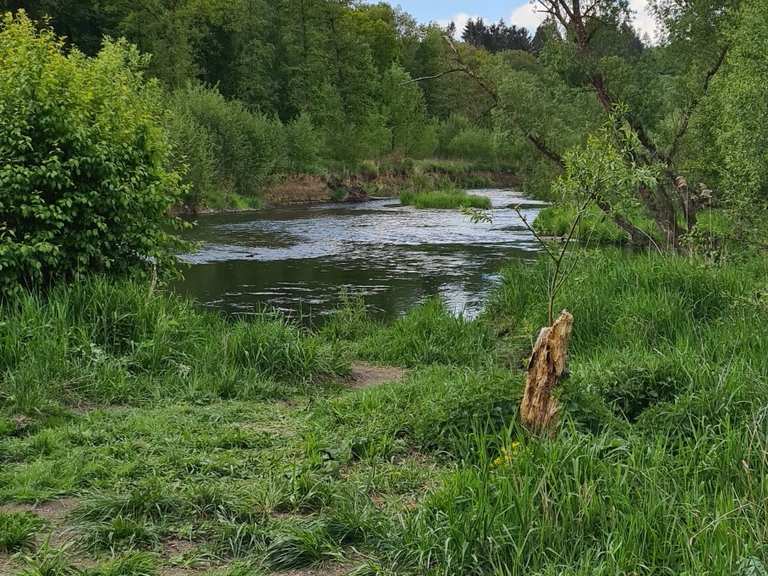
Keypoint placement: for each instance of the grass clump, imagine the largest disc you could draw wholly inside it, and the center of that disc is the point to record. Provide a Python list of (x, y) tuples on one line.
[(428, 334), (299, 545), (595, 227), (427, 412), (444, 199), (130, 564), (105, 342), (48, 561), (18, 531), (119, 533)]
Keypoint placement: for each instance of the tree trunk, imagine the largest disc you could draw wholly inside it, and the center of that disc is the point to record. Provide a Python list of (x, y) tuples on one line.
[(548, 363)]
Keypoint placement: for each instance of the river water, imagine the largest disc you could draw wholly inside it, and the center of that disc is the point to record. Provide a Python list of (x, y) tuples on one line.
[(301, 260)]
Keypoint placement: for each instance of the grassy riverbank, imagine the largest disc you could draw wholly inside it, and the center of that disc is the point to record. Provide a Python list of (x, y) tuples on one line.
[(166, 441)]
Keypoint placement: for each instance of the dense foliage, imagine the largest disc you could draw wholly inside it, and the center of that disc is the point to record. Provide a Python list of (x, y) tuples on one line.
[(167, 438), (322, 86), (82, 160), (655, 132), (257, 90)]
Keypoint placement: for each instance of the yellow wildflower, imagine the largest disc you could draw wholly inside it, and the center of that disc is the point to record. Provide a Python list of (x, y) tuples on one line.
[(507, 454)]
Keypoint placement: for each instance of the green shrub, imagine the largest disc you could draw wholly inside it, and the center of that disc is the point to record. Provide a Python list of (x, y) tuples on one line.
[(248, 147), (196, 155), (303, 145), (473, 143), (82, 160)]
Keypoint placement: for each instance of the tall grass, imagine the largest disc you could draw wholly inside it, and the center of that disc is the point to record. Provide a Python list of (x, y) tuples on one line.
[(595, 227), (660, 465), (97, 341), (444, 199), (596, 505), (428, 334)]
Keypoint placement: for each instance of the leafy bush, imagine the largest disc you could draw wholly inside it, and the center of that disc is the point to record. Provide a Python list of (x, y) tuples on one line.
[(196, 154), (82, 160), (473, 144), (248, 147), (303, 145)]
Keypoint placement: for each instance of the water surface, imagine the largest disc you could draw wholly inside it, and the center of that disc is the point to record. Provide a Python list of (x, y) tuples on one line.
[(303, 259)]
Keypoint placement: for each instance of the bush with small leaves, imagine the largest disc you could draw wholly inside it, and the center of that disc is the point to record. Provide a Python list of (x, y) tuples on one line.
[(82, 160)]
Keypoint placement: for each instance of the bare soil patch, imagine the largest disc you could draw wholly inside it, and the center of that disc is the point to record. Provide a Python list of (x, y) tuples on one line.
[(366, 375), (54, 511)]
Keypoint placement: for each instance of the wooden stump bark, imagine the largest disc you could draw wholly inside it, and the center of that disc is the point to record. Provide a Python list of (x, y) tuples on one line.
[(539, 408)]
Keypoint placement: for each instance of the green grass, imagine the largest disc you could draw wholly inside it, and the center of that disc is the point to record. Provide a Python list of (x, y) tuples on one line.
[(595, 227), (444, 199), (659, 465), (102, 342), (18, 530), (429, 334)]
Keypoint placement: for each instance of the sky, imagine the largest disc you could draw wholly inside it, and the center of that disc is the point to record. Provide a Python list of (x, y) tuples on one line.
[(518, 12)]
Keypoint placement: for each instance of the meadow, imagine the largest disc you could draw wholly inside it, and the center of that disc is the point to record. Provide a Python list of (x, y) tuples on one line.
[(142, 436)]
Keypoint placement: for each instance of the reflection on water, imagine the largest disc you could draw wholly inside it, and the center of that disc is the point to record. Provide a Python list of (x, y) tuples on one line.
[(302, 259)]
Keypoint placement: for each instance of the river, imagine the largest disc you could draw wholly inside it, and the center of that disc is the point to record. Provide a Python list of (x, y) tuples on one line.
[(301, 260)]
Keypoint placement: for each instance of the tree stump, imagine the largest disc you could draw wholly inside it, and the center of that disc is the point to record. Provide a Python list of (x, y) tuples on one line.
[(548, 363)]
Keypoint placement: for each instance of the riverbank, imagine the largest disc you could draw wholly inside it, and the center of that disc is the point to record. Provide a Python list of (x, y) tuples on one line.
[(375, 180), (164, 440)]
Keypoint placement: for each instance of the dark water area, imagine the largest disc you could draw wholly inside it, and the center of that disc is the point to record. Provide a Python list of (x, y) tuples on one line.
[(303, 260)]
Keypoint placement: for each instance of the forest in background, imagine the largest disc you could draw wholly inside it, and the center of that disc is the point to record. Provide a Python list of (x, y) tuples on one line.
[(257, 90), (651, 131)]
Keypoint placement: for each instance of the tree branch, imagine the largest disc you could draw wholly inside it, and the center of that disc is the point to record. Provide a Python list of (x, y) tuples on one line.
[(542, 147), (683, 129), (433, 76)]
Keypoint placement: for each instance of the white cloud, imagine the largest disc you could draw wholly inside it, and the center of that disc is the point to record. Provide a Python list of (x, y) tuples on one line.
[(460, 20), (529, 16), (643, 19)]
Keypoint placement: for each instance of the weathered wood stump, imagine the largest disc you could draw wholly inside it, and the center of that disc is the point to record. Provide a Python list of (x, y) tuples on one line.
[(539, 408)]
